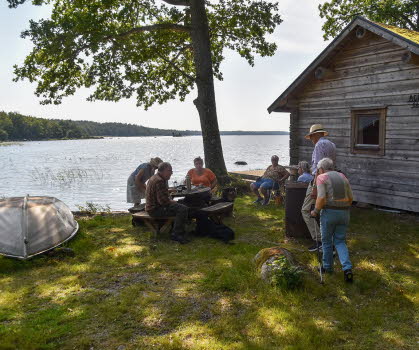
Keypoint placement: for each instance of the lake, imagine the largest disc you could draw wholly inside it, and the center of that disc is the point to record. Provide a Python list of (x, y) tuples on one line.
[(96, 170)]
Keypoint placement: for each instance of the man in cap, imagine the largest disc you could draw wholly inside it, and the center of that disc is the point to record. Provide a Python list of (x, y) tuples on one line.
[(323, 148), (158, 202), (136, 181)]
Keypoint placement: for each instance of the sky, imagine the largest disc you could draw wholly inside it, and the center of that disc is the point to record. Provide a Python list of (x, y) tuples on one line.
[(242, 97)]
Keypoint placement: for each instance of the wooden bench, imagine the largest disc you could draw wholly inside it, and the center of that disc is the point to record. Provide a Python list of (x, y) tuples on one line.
[(219, 211), (155, 224)]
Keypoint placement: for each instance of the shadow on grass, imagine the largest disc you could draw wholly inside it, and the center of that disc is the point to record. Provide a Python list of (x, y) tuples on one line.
[(123, 289)]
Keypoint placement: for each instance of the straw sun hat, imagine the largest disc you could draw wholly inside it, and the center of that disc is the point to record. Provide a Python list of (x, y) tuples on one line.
[(316, 128), (155, 161)]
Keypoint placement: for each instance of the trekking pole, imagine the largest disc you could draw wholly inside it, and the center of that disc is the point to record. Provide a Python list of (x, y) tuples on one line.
[(319, 257)]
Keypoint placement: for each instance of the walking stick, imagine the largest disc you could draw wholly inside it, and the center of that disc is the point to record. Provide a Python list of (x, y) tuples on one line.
[(319, 257)]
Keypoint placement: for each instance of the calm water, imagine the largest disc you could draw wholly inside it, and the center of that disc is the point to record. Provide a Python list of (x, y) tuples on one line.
[(78, 171)]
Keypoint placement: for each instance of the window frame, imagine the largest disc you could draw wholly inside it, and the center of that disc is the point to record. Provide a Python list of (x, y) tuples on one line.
[(368, 149)]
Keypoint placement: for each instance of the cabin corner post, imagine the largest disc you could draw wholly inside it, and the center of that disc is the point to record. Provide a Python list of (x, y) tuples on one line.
[(294, 137)]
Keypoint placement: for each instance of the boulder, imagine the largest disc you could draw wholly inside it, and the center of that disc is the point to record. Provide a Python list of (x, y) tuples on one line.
[(267, 256)]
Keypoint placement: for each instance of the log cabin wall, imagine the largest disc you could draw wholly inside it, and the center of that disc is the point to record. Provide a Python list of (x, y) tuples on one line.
[(368, 72)]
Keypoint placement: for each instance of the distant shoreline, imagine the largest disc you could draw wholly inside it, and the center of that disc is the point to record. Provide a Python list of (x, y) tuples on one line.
[(228, 133)]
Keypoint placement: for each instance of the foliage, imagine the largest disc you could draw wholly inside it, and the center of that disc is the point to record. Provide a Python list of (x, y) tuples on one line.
[(122, 289), (20, 127), (143, 48), (339, 13), (15, 126), (94, 208), (285, 275)]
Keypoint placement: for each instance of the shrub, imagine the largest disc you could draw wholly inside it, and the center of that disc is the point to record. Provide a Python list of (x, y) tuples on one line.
[(94, 208), (285, 275)]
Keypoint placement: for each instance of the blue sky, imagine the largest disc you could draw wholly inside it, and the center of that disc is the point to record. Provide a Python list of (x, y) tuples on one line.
[(242, 97)]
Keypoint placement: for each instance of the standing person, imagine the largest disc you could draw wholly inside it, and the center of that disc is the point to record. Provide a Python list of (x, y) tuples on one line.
[(158, 202), (202, 176), (334, 198), (273, 173), (304, 172), (323, 148), (136, 182)]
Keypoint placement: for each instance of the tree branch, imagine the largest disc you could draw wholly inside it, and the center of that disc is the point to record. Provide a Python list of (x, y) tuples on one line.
[(407, 19), (178, 2), (170, 62), (153, 27)]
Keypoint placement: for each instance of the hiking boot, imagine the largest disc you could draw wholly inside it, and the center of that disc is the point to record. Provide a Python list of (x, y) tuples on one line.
[(316, 246), (258, 201), (348, 276), (180, 239)]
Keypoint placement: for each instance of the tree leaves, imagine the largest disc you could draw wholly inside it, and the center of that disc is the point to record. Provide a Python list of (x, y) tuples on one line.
[(136, 48), (339, 13)]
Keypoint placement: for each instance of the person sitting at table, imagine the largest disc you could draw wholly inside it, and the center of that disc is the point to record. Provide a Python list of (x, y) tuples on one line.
[(201, 176), (274, 173), (136, 182), (159, 203), (304, 172)]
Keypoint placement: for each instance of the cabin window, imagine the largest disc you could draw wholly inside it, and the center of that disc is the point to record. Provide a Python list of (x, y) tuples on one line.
[(368, 131)]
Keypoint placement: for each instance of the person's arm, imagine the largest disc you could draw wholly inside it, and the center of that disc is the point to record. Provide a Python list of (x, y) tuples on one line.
[(285, 176), (321, 195), (162, 194), (211, 178), (140, 185), (316, 158)]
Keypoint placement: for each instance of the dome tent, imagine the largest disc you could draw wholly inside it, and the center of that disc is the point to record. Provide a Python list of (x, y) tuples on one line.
[(33, 225)]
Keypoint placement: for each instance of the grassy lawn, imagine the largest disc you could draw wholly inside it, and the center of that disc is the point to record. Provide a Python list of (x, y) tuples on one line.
[(122, 291)]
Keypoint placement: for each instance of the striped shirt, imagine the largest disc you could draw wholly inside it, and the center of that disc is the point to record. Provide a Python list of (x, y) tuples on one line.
[(156, 193), (324, 148)]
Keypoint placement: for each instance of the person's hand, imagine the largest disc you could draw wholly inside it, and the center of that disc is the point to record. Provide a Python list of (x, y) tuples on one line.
[(313, 214)]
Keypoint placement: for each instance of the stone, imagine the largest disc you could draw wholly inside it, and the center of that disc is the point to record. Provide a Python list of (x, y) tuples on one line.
[(265, 257)]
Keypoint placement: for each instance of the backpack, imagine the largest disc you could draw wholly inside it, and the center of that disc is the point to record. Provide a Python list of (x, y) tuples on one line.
[(207, 228)]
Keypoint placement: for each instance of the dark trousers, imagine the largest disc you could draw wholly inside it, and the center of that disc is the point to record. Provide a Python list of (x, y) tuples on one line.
[(174, 209)]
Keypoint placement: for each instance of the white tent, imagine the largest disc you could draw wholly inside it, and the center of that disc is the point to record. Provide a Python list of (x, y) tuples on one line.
[(33, 225)]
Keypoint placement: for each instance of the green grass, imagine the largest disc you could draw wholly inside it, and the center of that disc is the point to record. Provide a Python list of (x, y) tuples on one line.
[(123, 289)]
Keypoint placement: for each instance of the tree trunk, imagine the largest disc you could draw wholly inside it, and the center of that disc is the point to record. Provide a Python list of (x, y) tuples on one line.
[(205, 102)]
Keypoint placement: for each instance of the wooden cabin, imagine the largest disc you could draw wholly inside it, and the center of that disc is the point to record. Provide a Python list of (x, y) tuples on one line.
[(364, 89)]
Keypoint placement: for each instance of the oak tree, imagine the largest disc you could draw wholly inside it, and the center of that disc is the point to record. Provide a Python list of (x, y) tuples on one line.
[(152, 50), (339, 13)]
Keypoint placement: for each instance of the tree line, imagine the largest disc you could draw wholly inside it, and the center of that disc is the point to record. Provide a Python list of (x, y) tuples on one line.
[(15, 126)]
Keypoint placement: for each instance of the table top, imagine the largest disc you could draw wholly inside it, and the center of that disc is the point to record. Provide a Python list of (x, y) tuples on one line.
[(193, 191)]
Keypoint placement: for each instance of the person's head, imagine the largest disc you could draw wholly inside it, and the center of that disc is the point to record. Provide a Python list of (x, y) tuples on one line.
[(303, 167), (325, 165), (154, 162), (165, 170), (274, 160), (198, 163), (316, 132)]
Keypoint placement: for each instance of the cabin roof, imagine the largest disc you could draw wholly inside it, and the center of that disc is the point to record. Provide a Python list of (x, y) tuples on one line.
[(405, 38)]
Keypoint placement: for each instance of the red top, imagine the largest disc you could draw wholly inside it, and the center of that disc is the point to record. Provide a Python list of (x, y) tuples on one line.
[(205, 179)]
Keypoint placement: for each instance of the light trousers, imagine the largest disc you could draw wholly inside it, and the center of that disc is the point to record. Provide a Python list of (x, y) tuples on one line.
[(311, 223)]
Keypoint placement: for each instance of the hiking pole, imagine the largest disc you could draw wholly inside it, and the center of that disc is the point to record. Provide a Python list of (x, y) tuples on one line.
[(319, 258)]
